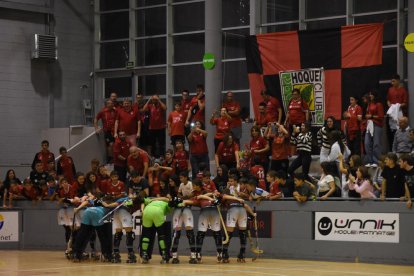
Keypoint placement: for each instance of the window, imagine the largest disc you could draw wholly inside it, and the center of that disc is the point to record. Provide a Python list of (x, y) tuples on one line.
[(389, 63), (114, 25), (235, 75), (144, 3), (122, 86), (187, 77), (280, 10), (325, 8), (109, 5), (235, 13), (114, 54), (188, 17), (326, 24), (374, 5), (234, 43), (151, 51), (280, 28), (151, 21), (152, 84), (188, 48), (390, 25)]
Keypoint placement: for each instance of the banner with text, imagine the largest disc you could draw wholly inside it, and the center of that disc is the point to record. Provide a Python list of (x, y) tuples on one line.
[(9, 226), (361, 227), (311, 84)]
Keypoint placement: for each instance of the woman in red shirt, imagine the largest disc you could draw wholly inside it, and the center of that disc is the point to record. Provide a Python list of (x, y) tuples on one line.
[(297, 110), (280, 147), (259, 147), (353, 115), (228, 153), (198, 148), (373, 135), (222, 124)]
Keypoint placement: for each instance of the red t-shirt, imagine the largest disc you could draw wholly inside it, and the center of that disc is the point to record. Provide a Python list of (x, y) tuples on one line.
[(297, 111), (155, 186), (185, 106), (30, 194), (272, 106), (157, 116), (263, 119), (181, 159), (200, 114), (280, 147), (258, 171), (222, 127), (352, 123), (138, 163), (176, 120), (116, 189), (376, 109), (45, 157), (198, 144), (128, 121), (274, 189), (209, 187), (226, 153), (233, 106), (397, 95), (66, 168), (108, 117), (259, 143), (120, 148), (69, 193), (102, 184)]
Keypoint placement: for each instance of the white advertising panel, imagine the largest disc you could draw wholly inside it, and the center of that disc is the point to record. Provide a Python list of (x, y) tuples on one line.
[(9, 226), (358, 227)]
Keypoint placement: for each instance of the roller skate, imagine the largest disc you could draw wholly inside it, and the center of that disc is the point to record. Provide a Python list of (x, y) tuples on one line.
[(175, 259), (219, 257), (144, 258), (164, 259), (68, 254), (193, 259), (95, 256), (198, 257), (106, 258), (225, 258), (131, 258), (240, 258), (116, 257)]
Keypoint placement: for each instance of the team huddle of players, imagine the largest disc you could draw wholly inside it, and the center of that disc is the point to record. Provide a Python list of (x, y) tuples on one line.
[(87, 217)]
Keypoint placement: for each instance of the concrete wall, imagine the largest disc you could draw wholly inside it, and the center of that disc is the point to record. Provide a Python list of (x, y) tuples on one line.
[(291, 231), (38, 95)]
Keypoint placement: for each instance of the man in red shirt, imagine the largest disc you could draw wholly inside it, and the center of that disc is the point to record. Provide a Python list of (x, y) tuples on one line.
[(223, 126), (298, 110), (197, 105), (262, 119), (144, 117), (396, 94), (65, 165), (273, 108), (114, 98), (129, 121), (176, 121), (108, 116), (185, 102), (157, 124), (233, 109), (44, 156), (138, 161), (353, 131), (121, 153)]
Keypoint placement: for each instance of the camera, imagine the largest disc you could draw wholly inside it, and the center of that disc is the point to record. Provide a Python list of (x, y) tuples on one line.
[(192, 125)]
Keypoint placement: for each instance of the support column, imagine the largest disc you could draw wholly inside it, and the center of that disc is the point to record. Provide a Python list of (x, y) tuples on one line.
[(213, 78), (410, 65)]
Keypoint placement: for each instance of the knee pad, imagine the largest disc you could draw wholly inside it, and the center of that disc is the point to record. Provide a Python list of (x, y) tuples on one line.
[(130, 237), (117, 238), (177, 237), (190, 237), (200, 238), (243, 237)]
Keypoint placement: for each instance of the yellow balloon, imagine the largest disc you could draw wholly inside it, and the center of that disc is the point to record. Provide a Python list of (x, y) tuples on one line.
[(409, 42)]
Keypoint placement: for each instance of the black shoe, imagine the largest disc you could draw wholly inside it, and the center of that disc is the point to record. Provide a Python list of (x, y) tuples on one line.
[(198, 257), (116, 258), (144, 258), (225, 257), (240, 258)]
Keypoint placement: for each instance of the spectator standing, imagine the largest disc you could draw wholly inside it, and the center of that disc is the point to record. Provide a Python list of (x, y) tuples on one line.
[(121, 153), (227, 153), (44, 156), (323, 138), (402, 142), (373, 135), (262, 119), (273, 108), (353, 117), (65, 165), (396, 95), (302, 138), (198, 148), (108, 116), (298, 110), (157, 125), (197, 107), (222, 124), (176, 124), (280, 147), (128, 120), (233, 109), (259, 147)]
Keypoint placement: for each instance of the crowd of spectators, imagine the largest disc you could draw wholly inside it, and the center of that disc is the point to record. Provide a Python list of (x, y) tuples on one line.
[(352, 160)]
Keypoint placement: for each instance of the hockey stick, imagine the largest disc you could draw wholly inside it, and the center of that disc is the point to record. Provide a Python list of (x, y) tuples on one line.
[(113, 211), (256, 249), (72, 229), (227, 239)]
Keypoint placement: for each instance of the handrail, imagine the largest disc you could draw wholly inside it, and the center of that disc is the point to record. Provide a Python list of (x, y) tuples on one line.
[(78, 143)]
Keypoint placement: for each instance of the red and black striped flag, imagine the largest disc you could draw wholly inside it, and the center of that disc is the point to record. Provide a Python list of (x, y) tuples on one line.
[(350, 55)]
